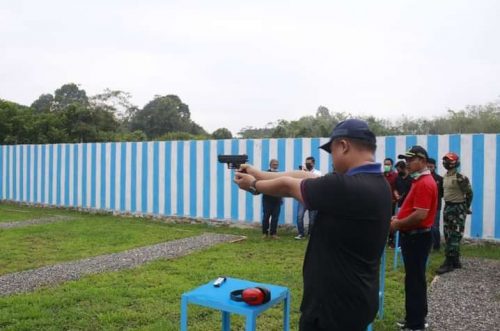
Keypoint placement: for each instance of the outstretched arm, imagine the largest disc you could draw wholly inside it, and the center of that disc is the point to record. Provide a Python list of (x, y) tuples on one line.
[(266, 175), (282, 186)]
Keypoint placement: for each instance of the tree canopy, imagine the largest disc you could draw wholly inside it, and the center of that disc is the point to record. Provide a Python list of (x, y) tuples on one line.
[(69, 115)]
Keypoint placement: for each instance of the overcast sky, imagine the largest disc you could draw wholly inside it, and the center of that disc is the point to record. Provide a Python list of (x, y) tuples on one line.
[(248, 63)]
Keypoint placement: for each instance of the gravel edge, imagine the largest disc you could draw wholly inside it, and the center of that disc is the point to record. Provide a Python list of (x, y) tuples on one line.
[(31, 280)]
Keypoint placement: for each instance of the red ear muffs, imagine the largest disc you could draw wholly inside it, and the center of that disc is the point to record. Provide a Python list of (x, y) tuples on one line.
[(252, 296)]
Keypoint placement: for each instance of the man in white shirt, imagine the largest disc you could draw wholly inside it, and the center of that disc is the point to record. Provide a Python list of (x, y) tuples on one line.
[(310, 162)]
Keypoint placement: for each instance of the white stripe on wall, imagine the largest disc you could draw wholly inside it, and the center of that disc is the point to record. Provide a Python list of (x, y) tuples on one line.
[(173, 167), (490, 164)]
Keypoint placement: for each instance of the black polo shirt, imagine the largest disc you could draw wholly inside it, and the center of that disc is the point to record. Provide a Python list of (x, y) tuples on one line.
[(341, 265)]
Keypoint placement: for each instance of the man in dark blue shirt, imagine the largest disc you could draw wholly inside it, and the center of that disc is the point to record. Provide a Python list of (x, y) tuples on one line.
[(342, 261)]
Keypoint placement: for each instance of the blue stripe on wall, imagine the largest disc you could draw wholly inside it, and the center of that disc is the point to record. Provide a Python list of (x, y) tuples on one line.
[(93, 175), (66, 175), (264, 163), (206, 179), (168, 178), (156, 178), (58, 174), (234, 188), (315, 152), (390, 148), (249, 197), (411, 141), (50, 158), (497, 190), (477, 185), (297, 161), (432, 149), (282, 159), (144, 178), (220, 181), (112, 179), (180, 178), (123, 174), (76, 187), (8, 176), (14, 171), (133, 177), (454, 142), (192, 178), (103, 176), (42, 171)]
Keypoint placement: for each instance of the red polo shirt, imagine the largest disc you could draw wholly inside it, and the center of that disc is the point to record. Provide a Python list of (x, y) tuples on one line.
[(422, 195)]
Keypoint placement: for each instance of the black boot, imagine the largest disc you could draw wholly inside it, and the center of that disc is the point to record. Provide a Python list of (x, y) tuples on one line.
[(456, 262), (447, 266)]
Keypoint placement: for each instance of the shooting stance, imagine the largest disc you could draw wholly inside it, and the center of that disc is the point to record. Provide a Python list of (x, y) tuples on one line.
[(341, 264)]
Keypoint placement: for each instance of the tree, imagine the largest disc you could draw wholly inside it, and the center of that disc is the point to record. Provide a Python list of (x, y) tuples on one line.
[(222, 133), (68, 94), (162, 115), (43, 104)]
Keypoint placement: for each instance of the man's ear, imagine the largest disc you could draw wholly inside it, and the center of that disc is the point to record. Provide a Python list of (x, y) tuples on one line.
[(346, 146)]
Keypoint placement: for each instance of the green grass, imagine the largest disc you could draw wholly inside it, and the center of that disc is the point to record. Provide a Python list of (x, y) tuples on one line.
[(13, 213), (148, 297), (35, 246)]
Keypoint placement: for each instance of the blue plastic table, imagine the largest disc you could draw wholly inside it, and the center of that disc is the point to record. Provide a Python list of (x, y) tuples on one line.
[(219, 298)]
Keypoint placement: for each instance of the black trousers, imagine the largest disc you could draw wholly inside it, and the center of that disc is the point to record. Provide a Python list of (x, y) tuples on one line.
[(271, 211), (415, 249)]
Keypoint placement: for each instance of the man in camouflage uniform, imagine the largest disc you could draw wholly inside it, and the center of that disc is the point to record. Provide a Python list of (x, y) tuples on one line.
[(458, 199)]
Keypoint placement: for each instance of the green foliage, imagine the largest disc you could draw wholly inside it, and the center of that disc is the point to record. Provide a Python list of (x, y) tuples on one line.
[(222, 133), (165, 114), (70, 116), (170, 136), (472, 119)]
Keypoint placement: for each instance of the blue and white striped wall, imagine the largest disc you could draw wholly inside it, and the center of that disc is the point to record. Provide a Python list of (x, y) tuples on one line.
[(183, 178)]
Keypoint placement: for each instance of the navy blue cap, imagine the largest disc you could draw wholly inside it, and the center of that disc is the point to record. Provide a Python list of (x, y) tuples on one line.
[(351, 128)]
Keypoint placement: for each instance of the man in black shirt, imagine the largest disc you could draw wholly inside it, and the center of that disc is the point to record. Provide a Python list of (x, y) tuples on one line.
[(436, 234), (403, 182), (271, 207), (342, 261)]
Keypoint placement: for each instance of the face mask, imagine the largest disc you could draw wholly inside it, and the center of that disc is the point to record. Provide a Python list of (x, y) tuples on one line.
[(387, 168), (309, 166), (447, 166), (415, 175)]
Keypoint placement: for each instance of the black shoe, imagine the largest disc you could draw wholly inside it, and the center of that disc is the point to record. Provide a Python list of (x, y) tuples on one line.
[(402, 325), (447, 266), (456, 263)]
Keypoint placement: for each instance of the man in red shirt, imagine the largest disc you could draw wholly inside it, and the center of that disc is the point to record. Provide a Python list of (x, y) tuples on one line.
[(414, 221)]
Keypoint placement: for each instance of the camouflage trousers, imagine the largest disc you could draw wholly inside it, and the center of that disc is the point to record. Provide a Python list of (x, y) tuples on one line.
[(454, 216)]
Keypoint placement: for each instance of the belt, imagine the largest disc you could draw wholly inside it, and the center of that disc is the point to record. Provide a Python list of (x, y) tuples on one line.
[(416, 231), (453, 203)]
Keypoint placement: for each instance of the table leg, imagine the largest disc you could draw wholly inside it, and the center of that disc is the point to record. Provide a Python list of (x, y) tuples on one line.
[(226, 321), (250, 323), (286, 312), (184, 313)]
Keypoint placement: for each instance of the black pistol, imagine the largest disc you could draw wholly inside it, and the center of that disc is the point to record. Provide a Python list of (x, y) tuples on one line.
[(233, 161)]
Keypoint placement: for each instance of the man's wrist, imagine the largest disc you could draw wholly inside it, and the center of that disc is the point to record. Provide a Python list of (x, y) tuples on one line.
[(253, 187)]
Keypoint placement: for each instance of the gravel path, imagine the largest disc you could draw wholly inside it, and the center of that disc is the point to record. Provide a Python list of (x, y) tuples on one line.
[(467, 298), (32, 279), (41, 220)]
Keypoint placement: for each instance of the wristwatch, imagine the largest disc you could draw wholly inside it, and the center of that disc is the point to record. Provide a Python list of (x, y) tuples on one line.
[(253, 189)]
